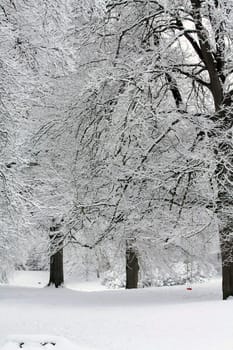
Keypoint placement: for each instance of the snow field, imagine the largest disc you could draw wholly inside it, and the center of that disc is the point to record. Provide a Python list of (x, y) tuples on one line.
[(167, 318), (38, 342)]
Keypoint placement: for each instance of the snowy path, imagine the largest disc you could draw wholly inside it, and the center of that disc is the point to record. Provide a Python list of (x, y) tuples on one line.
[(150, 319)]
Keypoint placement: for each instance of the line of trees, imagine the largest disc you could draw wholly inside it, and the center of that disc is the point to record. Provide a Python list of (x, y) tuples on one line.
[(130, 118)]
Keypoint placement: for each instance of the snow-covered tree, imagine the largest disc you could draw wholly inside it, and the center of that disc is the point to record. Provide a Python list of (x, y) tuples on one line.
[(36, 49), (119, 120), (141, 173), (166, 44)]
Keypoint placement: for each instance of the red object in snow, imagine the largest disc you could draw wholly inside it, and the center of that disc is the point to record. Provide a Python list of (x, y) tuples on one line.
[(189, 288)]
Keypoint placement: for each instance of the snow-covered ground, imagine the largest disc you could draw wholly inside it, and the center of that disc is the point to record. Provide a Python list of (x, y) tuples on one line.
[(167, 318), (39, 279)]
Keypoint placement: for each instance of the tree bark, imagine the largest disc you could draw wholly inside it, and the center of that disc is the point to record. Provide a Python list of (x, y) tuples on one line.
[(226, 244), (224, 177), (227, 269), (56, 259), (132, 267)]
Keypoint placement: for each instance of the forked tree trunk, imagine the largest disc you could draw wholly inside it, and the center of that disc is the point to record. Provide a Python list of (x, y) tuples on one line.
[(56, 259), (132, 267)]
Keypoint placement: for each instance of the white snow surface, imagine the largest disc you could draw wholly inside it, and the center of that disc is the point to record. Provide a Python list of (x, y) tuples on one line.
[(166, 318), (39, 279), (37, 342)]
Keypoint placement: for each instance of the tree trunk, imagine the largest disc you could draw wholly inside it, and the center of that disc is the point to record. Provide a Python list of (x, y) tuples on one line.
[(227, 280), (227, 262), (132, 268), (224, 176), (56, 259)]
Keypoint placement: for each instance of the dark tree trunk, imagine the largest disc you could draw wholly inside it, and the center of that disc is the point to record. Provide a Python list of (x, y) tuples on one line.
[(56, 269), (224, 177), (56, 259), (227, 280), (132, 268), (227, 262)]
